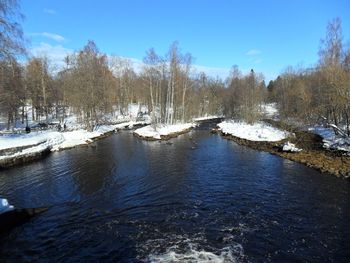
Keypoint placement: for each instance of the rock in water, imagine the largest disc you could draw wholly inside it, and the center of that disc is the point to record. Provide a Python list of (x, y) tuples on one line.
[(17, 217)]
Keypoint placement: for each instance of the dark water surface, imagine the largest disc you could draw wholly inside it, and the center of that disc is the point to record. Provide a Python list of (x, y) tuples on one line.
[(200, 198)]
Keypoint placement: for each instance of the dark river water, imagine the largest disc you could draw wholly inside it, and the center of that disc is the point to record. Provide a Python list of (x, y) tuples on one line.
[(199, 198)]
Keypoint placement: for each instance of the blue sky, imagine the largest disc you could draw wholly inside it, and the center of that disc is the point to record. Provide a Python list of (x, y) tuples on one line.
[(264, 35)]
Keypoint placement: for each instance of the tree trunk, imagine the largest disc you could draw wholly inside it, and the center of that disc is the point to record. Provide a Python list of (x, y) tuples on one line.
[(22, 114), (8, 119), (335, 118), (33, 115), (183, 102), (44, 96), (347, 123), (152, 99)]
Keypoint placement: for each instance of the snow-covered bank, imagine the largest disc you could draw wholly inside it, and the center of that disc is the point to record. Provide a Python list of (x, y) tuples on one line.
[(205, 118), (80, 137), (252, 132), (32, 139), (331, 140), (17, 146), (290, 147), (5, 206), (156, 133)]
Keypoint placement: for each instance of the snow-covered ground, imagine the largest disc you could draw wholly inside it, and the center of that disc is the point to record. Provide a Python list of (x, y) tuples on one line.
[(207, 118), (5, 206), (331, 140), (80, 137), (30, 139), (290, 147), (253, 132), (133, 112), (162, 130), (15, 143), (36, 142), (269, 110)]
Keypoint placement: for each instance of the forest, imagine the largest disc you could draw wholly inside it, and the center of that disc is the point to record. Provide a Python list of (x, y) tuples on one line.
[(93, 84)]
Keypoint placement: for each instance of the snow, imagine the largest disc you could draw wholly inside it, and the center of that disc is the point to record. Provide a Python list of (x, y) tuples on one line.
[(133, 112), (331, 140), (80, 137), (37, 142), (15, 143), (211, 117), (342, 144), (5, 206), (290, 147), (162, 130), (269, 110), (135, 108), (19, 140), (253, 132), (75, 138)]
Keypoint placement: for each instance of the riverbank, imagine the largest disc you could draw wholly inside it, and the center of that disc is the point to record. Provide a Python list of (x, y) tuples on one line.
[(17, 149), (163, 132), (313, 154)]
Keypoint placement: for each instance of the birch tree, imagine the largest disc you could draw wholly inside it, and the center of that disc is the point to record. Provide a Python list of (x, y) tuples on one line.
[(152, 76)]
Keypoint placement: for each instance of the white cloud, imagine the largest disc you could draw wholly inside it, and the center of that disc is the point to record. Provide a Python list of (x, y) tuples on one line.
[(55, 37), (49, 11), (55, 53), (253, 52)]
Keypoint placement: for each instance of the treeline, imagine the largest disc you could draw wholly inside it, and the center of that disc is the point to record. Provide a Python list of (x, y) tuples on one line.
[(174, 94), (320, 94), (93, 85), (244, 95)]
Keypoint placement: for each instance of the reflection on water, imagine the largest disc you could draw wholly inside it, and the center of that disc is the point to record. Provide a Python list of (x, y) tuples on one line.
[(199, 197)]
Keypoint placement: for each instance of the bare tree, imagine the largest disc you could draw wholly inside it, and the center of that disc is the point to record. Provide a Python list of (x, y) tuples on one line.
[(89, 78), (11, 35), (152, 76), (186, 68), (125, 76), (11, 90), (335, 73), (38, 82)]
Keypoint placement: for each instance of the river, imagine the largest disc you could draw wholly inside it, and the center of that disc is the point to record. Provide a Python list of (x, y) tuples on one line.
[(196, 197)]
